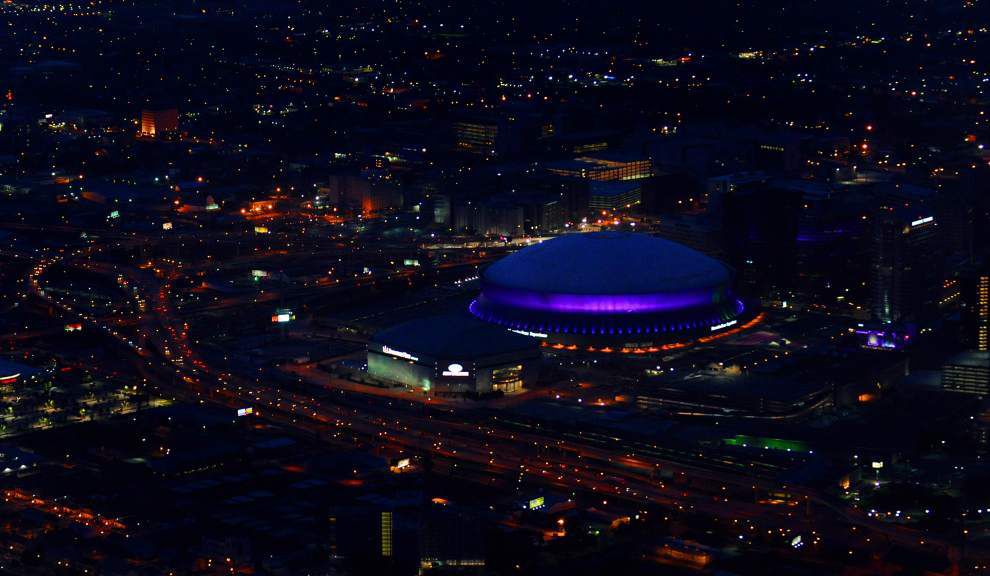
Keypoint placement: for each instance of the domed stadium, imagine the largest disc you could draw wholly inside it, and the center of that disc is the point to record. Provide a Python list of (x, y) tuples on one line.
[(611, 288)]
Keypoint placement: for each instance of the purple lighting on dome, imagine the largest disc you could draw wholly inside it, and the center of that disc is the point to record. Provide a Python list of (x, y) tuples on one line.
[(598, 303), (604, 324)]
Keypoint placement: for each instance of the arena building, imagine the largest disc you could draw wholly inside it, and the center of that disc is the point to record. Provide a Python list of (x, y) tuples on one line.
[(15, 373), (606, 291), (453, 354)]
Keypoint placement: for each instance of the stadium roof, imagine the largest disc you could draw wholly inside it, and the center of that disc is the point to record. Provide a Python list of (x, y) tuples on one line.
[(9, 370), (607, 263)]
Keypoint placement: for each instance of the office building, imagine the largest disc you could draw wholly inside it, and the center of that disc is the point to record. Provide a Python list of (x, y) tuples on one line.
[(479, 138), (159, 122), (905, 271), (604, 166), (968, 373), (975, 296), (612, 196)]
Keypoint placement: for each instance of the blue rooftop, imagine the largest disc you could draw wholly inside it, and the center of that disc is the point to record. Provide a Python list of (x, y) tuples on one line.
[(607, 263), (8, 369)]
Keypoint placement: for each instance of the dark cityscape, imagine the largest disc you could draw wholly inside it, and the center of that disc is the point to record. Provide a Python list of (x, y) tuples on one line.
[(492, 287)]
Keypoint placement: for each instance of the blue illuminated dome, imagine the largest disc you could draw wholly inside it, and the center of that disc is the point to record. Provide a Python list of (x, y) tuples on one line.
[(607, 284)]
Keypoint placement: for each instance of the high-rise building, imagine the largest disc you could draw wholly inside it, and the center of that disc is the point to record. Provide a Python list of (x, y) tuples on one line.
[(611, 196), (550, 216), (359, 194), (385, 536), (479, 138), (969, 291), (159, 122), (906, 274), (451, 541), (441, 209), (979, 315), (968, 373), (542, 213), (510, 131), (759, 225), (496, 217), (719, 187)]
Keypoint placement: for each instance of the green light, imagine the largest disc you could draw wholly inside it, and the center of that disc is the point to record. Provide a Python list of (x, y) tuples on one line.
[(767, 443)]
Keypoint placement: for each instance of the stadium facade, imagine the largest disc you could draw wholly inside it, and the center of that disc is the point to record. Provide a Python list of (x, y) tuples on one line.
[(610, 289)]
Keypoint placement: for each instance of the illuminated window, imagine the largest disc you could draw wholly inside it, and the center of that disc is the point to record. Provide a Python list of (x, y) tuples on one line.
[(386, 530)]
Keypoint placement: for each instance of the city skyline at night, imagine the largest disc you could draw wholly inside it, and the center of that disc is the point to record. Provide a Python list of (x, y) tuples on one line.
[(420, 287)]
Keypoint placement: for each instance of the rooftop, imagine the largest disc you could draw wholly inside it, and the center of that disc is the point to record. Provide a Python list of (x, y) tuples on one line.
[(8, 369), (971, 359), (607, 263), (453, 336)]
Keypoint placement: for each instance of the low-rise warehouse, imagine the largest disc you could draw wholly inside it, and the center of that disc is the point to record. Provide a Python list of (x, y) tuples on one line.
[(455, 354)]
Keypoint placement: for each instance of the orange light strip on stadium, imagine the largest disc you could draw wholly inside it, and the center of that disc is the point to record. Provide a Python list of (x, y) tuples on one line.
[(756, 320), (670, 346)]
